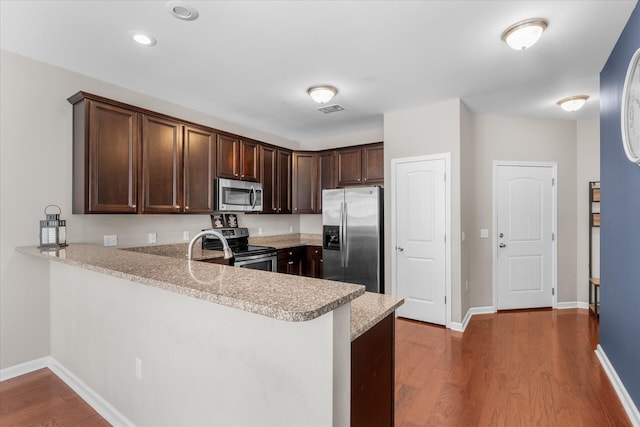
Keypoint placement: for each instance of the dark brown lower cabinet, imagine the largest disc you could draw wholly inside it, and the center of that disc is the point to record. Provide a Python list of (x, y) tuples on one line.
[(292, 260), (372, 375), (314, 262)]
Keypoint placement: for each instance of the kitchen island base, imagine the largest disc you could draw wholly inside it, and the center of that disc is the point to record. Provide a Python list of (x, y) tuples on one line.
[(200, 363)]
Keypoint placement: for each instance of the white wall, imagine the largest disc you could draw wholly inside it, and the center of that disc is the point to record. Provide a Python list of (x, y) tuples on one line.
[(431, 129), (36, 159), (467, 200), (521, 139), (588, 169), (353, 138)]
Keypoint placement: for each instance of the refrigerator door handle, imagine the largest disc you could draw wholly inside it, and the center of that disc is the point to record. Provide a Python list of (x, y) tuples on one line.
[(346, 232), (341, 234)]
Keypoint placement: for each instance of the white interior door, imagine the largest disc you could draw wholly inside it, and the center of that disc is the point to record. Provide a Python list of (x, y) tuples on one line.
[(420, 228), (524, 229)]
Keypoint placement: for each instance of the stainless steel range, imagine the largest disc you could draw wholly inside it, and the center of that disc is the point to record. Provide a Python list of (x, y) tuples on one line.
[(245, 255)]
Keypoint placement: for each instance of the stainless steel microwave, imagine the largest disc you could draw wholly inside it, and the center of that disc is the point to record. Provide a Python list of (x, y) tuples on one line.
[(238, 196)]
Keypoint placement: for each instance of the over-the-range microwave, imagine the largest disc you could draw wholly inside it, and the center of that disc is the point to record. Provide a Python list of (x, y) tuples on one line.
[(237, 196)]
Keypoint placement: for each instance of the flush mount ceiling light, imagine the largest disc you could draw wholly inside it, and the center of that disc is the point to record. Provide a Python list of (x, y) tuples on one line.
[(524, 34), (182, 10), (573, 103), (322, 94), (143, 39)]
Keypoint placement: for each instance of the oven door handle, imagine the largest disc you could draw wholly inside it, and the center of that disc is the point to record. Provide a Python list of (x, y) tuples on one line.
[(242, 258)]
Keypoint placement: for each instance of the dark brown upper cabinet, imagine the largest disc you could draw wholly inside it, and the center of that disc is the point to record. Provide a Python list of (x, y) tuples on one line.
[(237, 159), (284, 181), (360, 165), (373, 163), (105, 157), (199, 149), (326, 173), (305, 182), (276, 179), (161, 182)]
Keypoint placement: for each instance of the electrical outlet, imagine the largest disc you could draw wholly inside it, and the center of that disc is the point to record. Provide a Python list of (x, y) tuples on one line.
[(138, 368), (464, 236), (186, 236), (291, 229), (259, 231), (466, 285), (153, 238), (111, 240)]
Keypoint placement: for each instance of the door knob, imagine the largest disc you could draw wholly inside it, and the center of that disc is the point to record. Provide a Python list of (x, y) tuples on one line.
[(502, 245), (399, 248), (501, 235)]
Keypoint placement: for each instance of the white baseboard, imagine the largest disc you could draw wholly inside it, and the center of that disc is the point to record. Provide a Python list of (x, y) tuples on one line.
[(93, 399), (573, 304), (460, 327), (24, 368), (618, 386)]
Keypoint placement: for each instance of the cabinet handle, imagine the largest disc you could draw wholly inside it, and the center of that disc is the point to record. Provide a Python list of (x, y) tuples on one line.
[(290, 262), (365, 180), (134, 206), (358, 179), (177, 206), (320, 260), (290, 253), (241, 176), (186, 208)]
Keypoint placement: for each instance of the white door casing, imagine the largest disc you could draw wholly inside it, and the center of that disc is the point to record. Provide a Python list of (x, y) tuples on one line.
[(524, 235), (421, 254)]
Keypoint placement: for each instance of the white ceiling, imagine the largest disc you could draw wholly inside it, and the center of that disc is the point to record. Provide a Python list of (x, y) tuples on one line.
[(251, 62)]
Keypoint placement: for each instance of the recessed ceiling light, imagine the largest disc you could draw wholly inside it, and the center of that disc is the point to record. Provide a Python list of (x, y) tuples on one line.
[(322, 94), (143, 39), (573, 103), (182, 10), (524, 34)]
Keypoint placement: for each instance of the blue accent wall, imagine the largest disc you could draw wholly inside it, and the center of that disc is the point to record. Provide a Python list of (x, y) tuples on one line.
[(620, 222)]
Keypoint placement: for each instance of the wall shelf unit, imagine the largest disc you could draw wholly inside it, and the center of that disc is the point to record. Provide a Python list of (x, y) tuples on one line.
[(594, 227)]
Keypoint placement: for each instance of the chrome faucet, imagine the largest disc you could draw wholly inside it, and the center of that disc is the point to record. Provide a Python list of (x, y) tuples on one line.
[(225, 245)]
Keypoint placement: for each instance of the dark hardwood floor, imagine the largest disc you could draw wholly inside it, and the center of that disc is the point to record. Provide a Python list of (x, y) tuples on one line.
[(524, 368)]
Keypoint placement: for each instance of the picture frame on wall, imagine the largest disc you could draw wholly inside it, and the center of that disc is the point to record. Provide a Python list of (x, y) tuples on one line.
[(231, 220), (218, 221)]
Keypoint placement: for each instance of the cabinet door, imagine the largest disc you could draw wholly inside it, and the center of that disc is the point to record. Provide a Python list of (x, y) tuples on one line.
[(269, 179), (249, 161), (305, 182), (284, 181), (199, 169), (349, 166), (161, 165), (314, 262), (228, 157), (373, 164), (112, 169), (327, 174)]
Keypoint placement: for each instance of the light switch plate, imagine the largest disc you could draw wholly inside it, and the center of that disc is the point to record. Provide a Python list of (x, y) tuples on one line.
[(153, 238), (484, 233)]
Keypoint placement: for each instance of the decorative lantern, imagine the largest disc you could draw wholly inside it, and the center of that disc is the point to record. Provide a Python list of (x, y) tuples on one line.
[(53, 230)]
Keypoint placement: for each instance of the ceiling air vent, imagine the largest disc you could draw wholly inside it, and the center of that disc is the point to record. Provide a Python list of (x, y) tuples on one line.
[(331, 108)]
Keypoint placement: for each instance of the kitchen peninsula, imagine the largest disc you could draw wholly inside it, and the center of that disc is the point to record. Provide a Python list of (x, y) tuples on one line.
[(168, 341)]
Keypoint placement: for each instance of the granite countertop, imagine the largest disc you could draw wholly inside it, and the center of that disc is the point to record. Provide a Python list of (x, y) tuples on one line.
[(370, 308), (280, 296), (282, 241), (178, 250)]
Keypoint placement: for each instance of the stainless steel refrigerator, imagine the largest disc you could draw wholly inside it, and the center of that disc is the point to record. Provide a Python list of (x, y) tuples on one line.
[(352, 236)]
